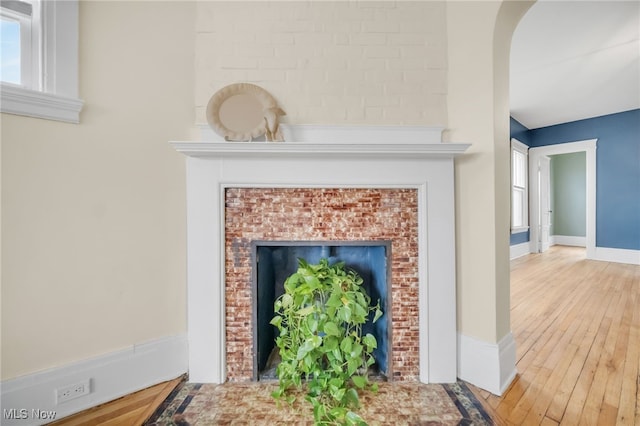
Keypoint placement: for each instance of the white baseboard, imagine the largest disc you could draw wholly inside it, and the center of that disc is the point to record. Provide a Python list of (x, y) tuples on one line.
[(31, 399), (568, 240), (519, 250), (616, 255), (490, 366)]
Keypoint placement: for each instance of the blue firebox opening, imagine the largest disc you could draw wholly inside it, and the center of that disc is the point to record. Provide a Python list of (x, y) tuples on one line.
[(274, 262)]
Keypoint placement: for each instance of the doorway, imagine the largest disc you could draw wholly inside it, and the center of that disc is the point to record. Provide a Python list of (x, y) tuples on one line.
[(541, 211)]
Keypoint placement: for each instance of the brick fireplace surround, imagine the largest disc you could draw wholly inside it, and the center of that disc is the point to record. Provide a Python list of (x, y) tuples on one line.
[(356, 187), (322, 214)]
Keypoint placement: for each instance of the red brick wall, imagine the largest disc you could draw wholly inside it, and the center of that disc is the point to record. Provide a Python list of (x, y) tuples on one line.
[(309, 214)]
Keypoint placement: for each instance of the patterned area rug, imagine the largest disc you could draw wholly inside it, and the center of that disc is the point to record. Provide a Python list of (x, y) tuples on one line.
[(397, 403)]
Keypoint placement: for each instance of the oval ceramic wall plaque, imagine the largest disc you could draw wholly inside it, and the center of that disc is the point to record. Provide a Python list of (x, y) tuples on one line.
[(243, 112)]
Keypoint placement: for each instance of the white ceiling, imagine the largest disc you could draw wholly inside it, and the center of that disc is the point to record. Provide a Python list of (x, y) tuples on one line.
[(572, 60)]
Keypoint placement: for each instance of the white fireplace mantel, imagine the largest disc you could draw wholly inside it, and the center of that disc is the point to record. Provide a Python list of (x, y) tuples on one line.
[(214, 166), (291, 149)]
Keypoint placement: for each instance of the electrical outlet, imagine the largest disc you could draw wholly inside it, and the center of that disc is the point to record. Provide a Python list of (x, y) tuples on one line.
[(76, 390)]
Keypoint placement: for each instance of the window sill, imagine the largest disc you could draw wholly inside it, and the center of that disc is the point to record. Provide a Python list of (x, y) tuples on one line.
[(519, 230), (31, 103)]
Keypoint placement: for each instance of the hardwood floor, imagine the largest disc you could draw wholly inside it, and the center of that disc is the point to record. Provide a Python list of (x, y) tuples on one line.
[(576, 323), (130, 410)]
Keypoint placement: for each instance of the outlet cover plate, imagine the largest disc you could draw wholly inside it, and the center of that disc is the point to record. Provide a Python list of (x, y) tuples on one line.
[(73, 391)]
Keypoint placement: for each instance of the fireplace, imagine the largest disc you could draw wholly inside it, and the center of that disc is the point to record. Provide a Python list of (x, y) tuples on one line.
[(274, 261), (364, 216), (356, 216), (312, 184)]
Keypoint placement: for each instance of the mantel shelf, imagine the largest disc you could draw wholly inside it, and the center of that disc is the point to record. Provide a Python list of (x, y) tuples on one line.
[(284, 149)]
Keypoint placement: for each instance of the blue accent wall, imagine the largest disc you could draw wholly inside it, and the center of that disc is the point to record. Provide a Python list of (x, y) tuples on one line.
[(617, 172), (519, 238), (519, 131)]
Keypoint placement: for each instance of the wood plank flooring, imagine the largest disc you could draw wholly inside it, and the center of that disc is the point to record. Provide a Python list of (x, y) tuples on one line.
[(130, 410), (576, 323)]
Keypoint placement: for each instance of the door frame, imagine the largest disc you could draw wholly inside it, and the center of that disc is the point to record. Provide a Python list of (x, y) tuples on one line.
[(535, 153), (544, 177)]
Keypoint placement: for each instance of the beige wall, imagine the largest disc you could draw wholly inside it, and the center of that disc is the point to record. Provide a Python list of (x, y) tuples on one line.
[(471, 120), (507, 20), (331, 62), (93, 215), (479, 38)]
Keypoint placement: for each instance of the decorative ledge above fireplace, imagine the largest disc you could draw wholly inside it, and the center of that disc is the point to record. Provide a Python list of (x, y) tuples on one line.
[(341, 169)]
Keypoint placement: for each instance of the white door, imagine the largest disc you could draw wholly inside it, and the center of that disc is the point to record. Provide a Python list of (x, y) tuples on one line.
[(544, 217)]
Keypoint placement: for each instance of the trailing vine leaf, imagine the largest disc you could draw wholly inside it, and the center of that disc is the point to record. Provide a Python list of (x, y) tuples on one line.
[(354, 419), (370, 341), (331, 329), (378, 314), (359, 381), (276, 321), (319, 320)]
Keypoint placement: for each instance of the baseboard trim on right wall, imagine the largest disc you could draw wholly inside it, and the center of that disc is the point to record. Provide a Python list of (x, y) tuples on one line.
[(489, 366), (616, 255)]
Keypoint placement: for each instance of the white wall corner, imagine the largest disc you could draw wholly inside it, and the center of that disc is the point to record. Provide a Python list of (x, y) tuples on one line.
[(489, 366), (31, 399), (519, 250)]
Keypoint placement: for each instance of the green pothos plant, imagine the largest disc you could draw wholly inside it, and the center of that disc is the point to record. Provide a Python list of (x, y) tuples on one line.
[(320, 318)]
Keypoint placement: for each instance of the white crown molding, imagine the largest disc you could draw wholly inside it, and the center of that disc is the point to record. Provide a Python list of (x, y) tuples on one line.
[(111, 376), (32, 103)]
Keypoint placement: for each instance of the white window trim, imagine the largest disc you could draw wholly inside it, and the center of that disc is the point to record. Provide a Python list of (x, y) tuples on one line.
[(59, 98), (27, 15), (516, 145)]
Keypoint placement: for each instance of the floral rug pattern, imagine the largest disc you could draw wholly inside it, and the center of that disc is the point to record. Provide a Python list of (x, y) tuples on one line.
[(250, 403)]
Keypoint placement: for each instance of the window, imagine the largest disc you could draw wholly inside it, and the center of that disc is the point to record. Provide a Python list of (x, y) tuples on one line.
[(519, 187), (21, 43), (39, 73), (10, 34)]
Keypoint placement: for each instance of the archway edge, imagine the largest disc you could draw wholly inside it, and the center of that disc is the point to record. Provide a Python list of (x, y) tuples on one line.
[(479, 39), (509, 16)]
